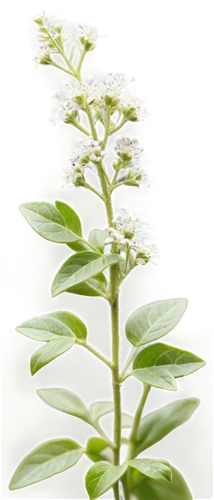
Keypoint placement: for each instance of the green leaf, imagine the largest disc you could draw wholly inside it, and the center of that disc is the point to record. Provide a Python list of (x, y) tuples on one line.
[(157, 377), (150, 322), (52, 326), (96, 445), (45, 219), (155, 469), (126, 420), (148, 489), (65, 401), (178, 362), (48, 459), (101, 477), (49, 352), (73, 322), (69, 275), (101, 408), (97, 238), (158, 424), (70, 217)]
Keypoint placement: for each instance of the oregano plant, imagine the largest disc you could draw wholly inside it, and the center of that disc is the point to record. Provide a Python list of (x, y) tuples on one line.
[(97, 267)]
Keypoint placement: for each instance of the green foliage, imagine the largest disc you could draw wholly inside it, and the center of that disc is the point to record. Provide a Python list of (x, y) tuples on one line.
[(49, 352), (72, 222), (150, 322), (157, 377), (126, 420), (178, 362), (45, 461), (52, 326), (99, 409), (149, 467), (79, 269), (97, 238), (65, 401), (96, 448), (101, 477), (46, 220)]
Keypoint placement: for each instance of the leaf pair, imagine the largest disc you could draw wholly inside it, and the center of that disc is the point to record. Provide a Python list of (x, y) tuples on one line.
[(59, 330), (145, 488), (102, 476)]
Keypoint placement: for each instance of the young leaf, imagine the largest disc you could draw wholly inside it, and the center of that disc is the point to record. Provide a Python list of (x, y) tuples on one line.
[(52, 326), (101, 477), (45, 219), (65, 401), (155, 469), (157, 377), (150, 489), (96, 445), (150, 322), (158, 424), (126, 420), (73, 322), (48, 459), (66, 279), (178, 362), (97, 238), (101, 408), (70, 217), (49, 352)]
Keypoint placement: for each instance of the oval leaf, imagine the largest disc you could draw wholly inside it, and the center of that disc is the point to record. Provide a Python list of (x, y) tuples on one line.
[(70, 217), (97, 238), (101, 477), (154, 320), (73, 322), (126, 420), (49, 352), (96, 445), (67, 277), (52, 326), (158, 424), (45, 219), (178, 362), (65, 401), (148, 489), (101, 408), (157, 377), (156, 469), (48, 459)]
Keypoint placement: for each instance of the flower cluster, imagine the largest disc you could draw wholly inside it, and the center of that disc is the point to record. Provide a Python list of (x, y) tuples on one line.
[(88, 36), (130, 234), (50, 37), (110, 91), (128, 162), (86, 157)]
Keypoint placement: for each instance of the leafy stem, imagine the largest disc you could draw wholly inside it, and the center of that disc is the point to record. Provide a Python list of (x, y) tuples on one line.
[(131, 450), (95, 352)]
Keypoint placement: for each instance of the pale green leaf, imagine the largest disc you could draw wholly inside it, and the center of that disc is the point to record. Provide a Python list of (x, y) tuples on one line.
[(158, 424), (157, 377), (68, 277), (49, 352), (52, 326), (149, 489), (154, 320), (96, 445), (70, 217), (65, 401), (101, 408), (46, 460), (177, 361), (45, 219), (126, 420), (73, 322), (97, 238), (155, 469), (101, 477)]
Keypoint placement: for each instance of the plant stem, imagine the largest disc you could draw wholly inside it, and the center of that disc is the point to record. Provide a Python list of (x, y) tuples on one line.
[(131, 451), (91, 188), (102, 433), (108, 118), (115, 129), (95, 352), (81, 59), (82, 129), (128, 361)]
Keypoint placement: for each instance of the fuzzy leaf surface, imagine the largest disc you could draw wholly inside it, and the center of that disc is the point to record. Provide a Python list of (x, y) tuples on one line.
[(52, 326), (101, 408), (157, 377), (65, 401), (97, 238), (101, 477), (48, 352), (155, 469)]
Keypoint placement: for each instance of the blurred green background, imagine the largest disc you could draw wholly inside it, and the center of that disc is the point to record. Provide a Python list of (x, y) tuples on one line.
[(26, 421)]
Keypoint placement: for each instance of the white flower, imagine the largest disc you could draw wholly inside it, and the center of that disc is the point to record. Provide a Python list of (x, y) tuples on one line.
[(145, 252), (133, 108), (89, 153), (141, 175), (73, 175), (128, 150), (90, 36), (46, 45), (128, 228), (64, 104)]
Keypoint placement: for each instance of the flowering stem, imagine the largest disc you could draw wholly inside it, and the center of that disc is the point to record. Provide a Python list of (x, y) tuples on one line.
[(61, 51), (72, 52), (108, 118), (81, 59), (115, 129), (131, 451), (91, 188), (54, 63), (82, 129)]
